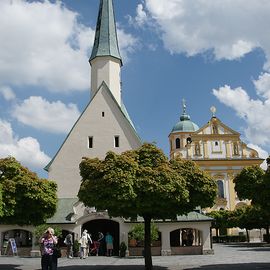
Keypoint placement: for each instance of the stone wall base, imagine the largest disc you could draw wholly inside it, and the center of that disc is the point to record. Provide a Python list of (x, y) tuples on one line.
[(167, 252), (208, 252), (35, 253)]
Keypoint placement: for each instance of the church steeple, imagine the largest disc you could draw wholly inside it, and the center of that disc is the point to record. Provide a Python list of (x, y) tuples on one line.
[(105, 59), (106, 43)]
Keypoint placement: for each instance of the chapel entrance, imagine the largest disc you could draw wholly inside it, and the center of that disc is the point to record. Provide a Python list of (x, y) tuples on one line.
[(104, 225)]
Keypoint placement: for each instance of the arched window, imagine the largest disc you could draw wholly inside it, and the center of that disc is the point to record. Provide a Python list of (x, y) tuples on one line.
[(177, 143), (220, 189)]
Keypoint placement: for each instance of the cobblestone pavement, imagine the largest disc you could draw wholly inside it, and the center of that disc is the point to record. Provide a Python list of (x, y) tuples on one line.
[(233, 257)]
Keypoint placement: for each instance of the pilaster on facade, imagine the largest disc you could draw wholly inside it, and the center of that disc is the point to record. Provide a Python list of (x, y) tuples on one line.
[(228, 149), (232, 201), (205, 150)]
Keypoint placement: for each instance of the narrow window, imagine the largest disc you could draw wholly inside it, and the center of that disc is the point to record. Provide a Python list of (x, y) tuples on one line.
[(103, 114), (216, 143), (90, 142), (220, 189), (116, 141), (177, 143)]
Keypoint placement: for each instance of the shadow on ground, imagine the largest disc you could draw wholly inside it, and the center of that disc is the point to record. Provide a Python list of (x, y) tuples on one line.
[(250, 246), (239, 266), (86, 267), (9, 267)]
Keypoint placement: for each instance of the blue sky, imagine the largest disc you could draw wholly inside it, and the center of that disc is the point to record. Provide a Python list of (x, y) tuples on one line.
[(211, 53)]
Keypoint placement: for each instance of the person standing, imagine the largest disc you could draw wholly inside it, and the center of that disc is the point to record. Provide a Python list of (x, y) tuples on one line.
[(101, 241), (109, 244), (83, 245), (190, 237), (48, 242), (184, 237), (69, 243)]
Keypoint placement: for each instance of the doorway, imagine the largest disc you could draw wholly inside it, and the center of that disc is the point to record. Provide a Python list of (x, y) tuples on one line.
[(103, 225)]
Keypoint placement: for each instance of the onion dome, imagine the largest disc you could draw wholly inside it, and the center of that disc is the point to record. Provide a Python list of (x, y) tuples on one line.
[(185, 124)]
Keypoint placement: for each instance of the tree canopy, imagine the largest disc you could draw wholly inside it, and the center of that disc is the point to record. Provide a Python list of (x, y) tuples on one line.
[(253, 183), (145, 183), (26, 199)]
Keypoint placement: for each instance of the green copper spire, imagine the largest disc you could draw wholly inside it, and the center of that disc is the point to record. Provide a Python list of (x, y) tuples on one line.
[(106, 43)]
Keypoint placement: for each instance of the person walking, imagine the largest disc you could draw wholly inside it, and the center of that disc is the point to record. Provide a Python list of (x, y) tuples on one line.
[(48, 242), (83, 245), (109, 244), (89, 243), (69, 243)]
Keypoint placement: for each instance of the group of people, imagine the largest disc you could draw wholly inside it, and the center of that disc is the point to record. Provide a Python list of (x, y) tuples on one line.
[(88, 247)]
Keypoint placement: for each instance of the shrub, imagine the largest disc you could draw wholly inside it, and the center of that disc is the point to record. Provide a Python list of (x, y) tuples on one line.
[(122, 249)]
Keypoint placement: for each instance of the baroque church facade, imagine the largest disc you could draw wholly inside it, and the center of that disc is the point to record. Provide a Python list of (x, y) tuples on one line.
[(217, 149), (105, 125)]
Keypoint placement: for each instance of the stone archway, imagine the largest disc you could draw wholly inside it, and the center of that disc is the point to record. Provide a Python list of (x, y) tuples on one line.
[(104, 226)]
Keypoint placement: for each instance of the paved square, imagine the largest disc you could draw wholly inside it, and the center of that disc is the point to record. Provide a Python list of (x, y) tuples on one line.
[(233, 257)]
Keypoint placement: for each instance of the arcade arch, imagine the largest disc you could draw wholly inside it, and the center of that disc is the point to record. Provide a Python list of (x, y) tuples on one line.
[(103, 225)]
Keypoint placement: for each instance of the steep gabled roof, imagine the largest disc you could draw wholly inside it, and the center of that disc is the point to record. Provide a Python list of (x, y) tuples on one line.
[(106, 43), (64, 211), (122, 110), (218, 123)]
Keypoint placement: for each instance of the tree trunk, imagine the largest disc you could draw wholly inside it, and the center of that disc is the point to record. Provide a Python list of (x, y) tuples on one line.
[(147, 243), (247, 235), (267, 234), (217, 235)]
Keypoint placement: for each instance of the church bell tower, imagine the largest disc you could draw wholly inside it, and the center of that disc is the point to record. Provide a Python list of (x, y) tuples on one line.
[(105, 59)]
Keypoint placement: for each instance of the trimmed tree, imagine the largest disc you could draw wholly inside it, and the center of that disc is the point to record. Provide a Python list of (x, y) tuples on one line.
[(143, 182), (26, 199), (221, 220), (253, 183)]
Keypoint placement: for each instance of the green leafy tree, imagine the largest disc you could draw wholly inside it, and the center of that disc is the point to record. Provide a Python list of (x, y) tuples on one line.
[(247, 217), (26, 199), (253, 183), (41, 229), (137, 232), (1, 201), (143, 182), (221, 220)]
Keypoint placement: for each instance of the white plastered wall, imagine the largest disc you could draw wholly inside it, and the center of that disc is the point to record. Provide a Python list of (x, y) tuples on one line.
[(65, 166)]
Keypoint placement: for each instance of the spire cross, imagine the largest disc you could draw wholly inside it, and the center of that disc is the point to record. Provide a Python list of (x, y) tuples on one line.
[(184, 105)]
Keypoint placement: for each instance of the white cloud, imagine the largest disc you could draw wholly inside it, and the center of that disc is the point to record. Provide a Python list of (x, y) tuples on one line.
[(229, 28), (54, 117), (7, 93), (254, 112), (262, 154), (26, 150), (263, 85), (127, 44), (43, 44), (141, 17)]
